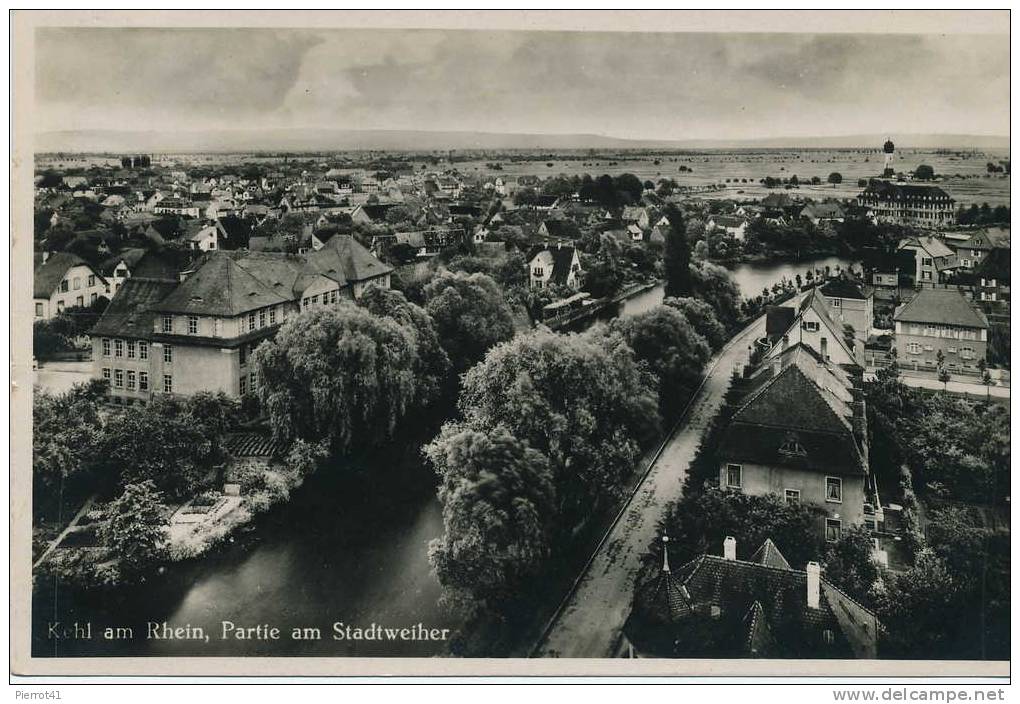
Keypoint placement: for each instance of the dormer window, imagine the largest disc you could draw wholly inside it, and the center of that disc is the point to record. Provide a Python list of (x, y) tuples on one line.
[(791, 446)]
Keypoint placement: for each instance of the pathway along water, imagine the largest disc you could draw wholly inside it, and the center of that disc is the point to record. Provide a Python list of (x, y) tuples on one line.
[(351, 547)]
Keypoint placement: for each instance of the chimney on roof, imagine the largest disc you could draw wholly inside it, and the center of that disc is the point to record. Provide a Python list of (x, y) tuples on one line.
[(729, 547), (814, 585)]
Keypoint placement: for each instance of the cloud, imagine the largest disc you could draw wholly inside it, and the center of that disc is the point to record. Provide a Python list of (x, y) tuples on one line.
[(627, 84)]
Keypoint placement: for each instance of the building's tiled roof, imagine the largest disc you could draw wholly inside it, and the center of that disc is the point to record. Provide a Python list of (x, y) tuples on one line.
[(942, 307), (823, 210), (887, 190), (254, 445), (992, 238), (713, 607), (562, 257), (131, 312), (129, 256), (221, 287), (768, 554), (778, 319), (843, 288), (49, 274), (932, 245), (806, 401)]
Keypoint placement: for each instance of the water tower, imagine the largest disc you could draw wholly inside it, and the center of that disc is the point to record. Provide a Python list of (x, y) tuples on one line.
[(888, 149)]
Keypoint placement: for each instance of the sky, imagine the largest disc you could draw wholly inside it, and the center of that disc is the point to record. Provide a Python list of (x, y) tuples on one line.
[(631, 85)]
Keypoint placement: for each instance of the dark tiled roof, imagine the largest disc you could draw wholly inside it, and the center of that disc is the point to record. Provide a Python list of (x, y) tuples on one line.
[(778, 319), (768, 554), (843, 288), (743, 608), (130, 313), (49, 275), (562, 258), (355, 262), (943, 307), (887, 190), (561, 228), (220, 287), (254, 445), (129, 256)]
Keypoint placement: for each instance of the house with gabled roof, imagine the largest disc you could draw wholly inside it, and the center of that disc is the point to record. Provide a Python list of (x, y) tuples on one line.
[(800, 432), (756, 606), (195, 331), (64, 280), (554, 264), (933, 260), (818, 325), (850, 304), (940, 319), (970, 253)]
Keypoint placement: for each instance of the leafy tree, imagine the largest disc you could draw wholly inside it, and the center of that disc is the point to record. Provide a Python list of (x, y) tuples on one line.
[(135, 530), (664, 340), (630, 185), (913, 608), (470, 313), (713, 284), (944, 377), (162, 442), (702, 316), (848, 564), (835, 177), (582, 400), (677, 256), (432, 365), (66, 429), (698, 524), (339, 374), (499, 503), (924, 172)]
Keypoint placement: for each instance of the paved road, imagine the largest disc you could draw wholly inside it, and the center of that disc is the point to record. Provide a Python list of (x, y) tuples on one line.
[(590, 622), (956, 387)]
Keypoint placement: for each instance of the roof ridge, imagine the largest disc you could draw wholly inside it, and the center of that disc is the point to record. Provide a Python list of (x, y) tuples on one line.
[(847, 596)]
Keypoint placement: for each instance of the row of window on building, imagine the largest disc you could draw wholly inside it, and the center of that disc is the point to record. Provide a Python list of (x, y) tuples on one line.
[(327, 298), (918, 348), (79, 301), (833, 494), (135, 381), (65, 284), (135, 349), (256, 319), (944, 331)]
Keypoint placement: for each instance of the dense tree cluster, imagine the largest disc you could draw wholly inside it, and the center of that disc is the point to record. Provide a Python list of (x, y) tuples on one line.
[(470, 313), (583, 403)]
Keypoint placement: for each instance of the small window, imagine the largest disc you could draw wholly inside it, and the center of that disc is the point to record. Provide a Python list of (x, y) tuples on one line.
[(251, 321), (92, 280), (63, 286), (793, 496), (118, 348), (168, 354), (131, 380), (538, 271), (254, 382), (38, 310), (79, 301), (809, 325), (168, 323), (143, 381), (243, 387), (242, 353), (262, 318), (77, 283), (118, 378), (192, 324), (833, 529), (93, 298), (836, 302), (168, 384), (733, 472), (828, 636), (106, 347), (143, 349), (272, 315), (106, 373), (834, 490)]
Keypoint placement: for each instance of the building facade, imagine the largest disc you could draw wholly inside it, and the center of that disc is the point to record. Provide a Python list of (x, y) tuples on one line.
[(908, 204), (940, 320), (197, 332), (62, 281)]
